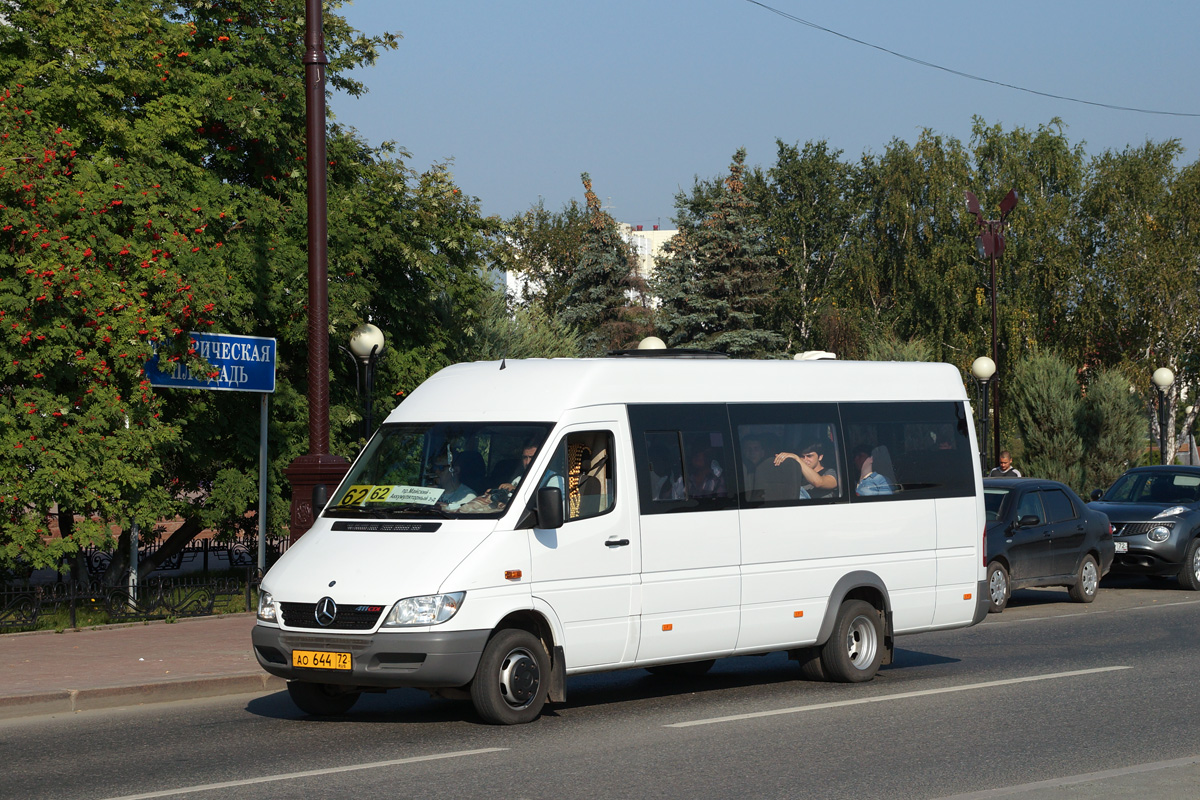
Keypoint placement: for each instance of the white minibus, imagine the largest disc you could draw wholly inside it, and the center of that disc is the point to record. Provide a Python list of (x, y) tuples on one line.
[(514, 523)]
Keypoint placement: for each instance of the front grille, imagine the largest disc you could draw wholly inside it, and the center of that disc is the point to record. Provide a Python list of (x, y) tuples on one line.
[(1139, 528), (349, 618), (337, 644)]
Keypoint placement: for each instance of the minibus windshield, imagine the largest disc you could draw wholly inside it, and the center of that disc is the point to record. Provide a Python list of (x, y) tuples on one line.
[(440, 469)]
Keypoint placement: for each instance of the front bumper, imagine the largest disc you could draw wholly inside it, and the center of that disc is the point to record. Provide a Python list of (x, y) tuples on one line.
[(1145, 557), (380, 660)]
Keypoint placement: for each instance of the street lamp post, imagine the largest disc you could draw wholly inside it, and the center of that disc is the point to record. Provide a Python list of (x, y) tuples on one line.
[(1191, 438), (1162, 379), (366, 344), (983, 369), (991, 244), (313, 474)]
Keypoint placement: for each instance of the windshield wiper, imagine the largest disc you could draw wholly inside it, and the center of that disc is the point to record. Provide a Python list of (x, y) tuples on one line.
[(382, 510)]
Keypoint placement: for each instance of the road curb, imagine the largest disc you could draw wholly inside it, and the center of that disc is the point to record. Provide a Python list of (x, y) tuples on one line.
[(64, 701)]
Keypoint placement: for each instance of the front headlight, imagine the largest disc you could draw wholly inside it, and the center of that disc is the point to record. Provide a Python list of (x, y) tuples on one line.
[(1170, 512), (267, 610), (1159, 534), (429, 609)]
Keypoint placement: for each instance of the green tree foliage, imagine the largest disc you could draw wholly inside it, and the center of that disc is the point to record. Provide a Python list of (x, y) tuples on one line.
[(509, 330), (888, 348), (1046, 400), (177, 131), (1112, 429), (542, 248), (808, 202), (602, 282), (716, 275)]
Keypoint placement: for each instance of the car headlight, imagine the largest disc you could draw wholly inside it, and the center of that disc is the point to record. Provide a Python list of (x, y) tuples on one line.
[(267, 610), (1170, 512), (429, 609), (1159, 534)]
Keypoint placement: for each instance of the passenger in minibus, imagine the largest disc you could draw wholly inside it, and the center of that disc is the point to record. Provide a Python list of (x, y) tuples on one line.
[(819, 481), (767, 479), (705, 477), (870, 482)]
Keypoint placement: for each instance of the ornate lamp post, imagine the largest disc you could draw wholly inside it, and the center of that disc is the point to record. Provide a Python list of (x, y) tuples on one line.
[(314, 474), (1162, 379), (991, 244), (983, 369), (366, 343)]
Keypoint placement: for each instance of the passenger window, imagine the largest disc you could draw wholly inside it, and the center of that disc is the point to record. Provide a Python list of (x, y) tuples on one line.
[(684, 459), (916, 450), (790, 453), (582, 468), (1058, 506)]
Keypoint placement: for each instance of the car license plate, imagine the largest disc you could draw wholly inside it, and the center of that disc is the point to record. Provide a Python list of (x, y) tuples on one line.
[(315, 659), (1121, 547)]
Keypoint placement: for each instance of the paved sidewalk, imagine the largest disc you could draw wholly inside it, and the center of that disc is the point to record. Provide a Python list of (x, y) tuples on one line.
[(120, 665)]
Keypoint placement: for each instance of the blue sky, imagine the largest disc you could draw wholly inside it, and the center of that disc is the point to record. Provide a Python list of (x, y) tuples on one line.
[(645, 96)]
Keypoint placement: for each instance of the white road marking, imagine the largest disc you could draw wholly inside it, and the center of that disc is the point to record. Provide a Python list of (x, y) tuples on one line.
[(208, 787), (900, 696), (1073, 780)]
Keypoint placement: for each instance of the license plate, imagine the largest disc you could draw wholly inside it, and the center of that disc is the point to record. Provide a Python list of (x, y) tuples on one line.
[(1121, 547), (315, 659)]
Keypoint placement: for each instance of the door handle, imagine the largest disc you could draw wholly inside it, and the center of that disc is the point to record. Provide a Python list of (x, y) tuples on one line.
[(616, 543)]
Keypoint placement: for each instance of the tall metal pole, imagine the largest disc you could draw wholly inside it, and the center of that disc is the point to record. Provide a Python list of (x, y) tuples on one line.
[(312, 476), (995, 387), (318, 231), (1162, 426)]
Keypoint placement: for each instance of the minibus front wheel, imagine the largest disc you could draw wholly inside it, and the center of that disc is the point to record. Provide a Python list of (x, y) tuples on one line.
[(512, 678)]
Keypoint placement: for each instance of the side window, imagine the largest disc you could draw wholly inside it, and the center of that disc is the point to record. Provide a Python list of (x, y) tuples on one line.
[(582, 467), (908, 450), (684, 457), (1031, 505), (1058, 506), (789, 453)]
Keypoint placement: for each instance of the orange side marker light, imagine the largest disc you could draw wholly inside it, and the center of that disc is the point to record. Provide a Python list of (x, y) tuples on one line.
[(512, 574), (797, 614), (668, 627)]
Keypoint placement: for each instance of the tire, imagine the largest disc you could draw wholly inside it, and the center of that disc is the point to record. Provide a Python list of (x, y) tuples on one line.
[(855, 648), (998, 587), (512, 679), (1087, 581), (321, 699), (1189, 576), (690, 669), (809, 660)]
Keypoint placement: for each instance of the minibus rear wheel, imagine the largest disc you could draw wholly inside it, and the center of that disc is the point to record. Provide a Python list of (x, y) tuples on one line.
[(855, 648), (512, 678), (321, 699)]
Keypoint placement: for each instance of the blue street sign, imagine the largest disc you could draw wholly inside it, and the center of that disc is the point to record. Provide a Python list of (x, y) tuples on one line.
[(242, 364)]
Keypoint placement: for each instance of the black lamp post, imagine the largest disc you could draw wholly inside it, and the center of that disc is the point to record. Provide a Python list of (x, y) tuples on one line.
[(991, 244), (983, 369), (366, 343), (1162, 379)]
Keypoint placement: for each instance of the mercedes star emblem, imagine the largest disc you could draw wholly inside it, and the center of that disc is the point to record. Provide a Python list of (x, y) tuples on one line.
[(326, 612)]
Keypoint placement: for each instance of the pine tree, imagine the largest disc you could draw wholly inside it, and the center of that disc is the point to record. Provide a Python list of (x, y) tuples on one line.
[(716, 277), (1047, 402), (597, 289)]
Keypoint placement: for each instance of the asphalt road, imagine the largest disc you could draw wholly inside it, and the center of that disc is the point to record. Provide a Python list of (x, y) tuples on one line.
[(1047, 701)]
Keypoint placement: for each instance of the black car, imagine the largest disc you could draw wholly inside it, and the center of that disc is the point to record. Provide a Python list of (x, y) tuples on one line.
[(1155, 512), (1039, 533)]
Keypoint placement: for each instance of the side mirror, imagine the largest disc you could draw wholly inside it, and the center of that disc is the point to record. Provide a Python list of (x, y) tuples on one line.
[(1028, 521), (1097, 494), (320, 499), (549, 507)]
